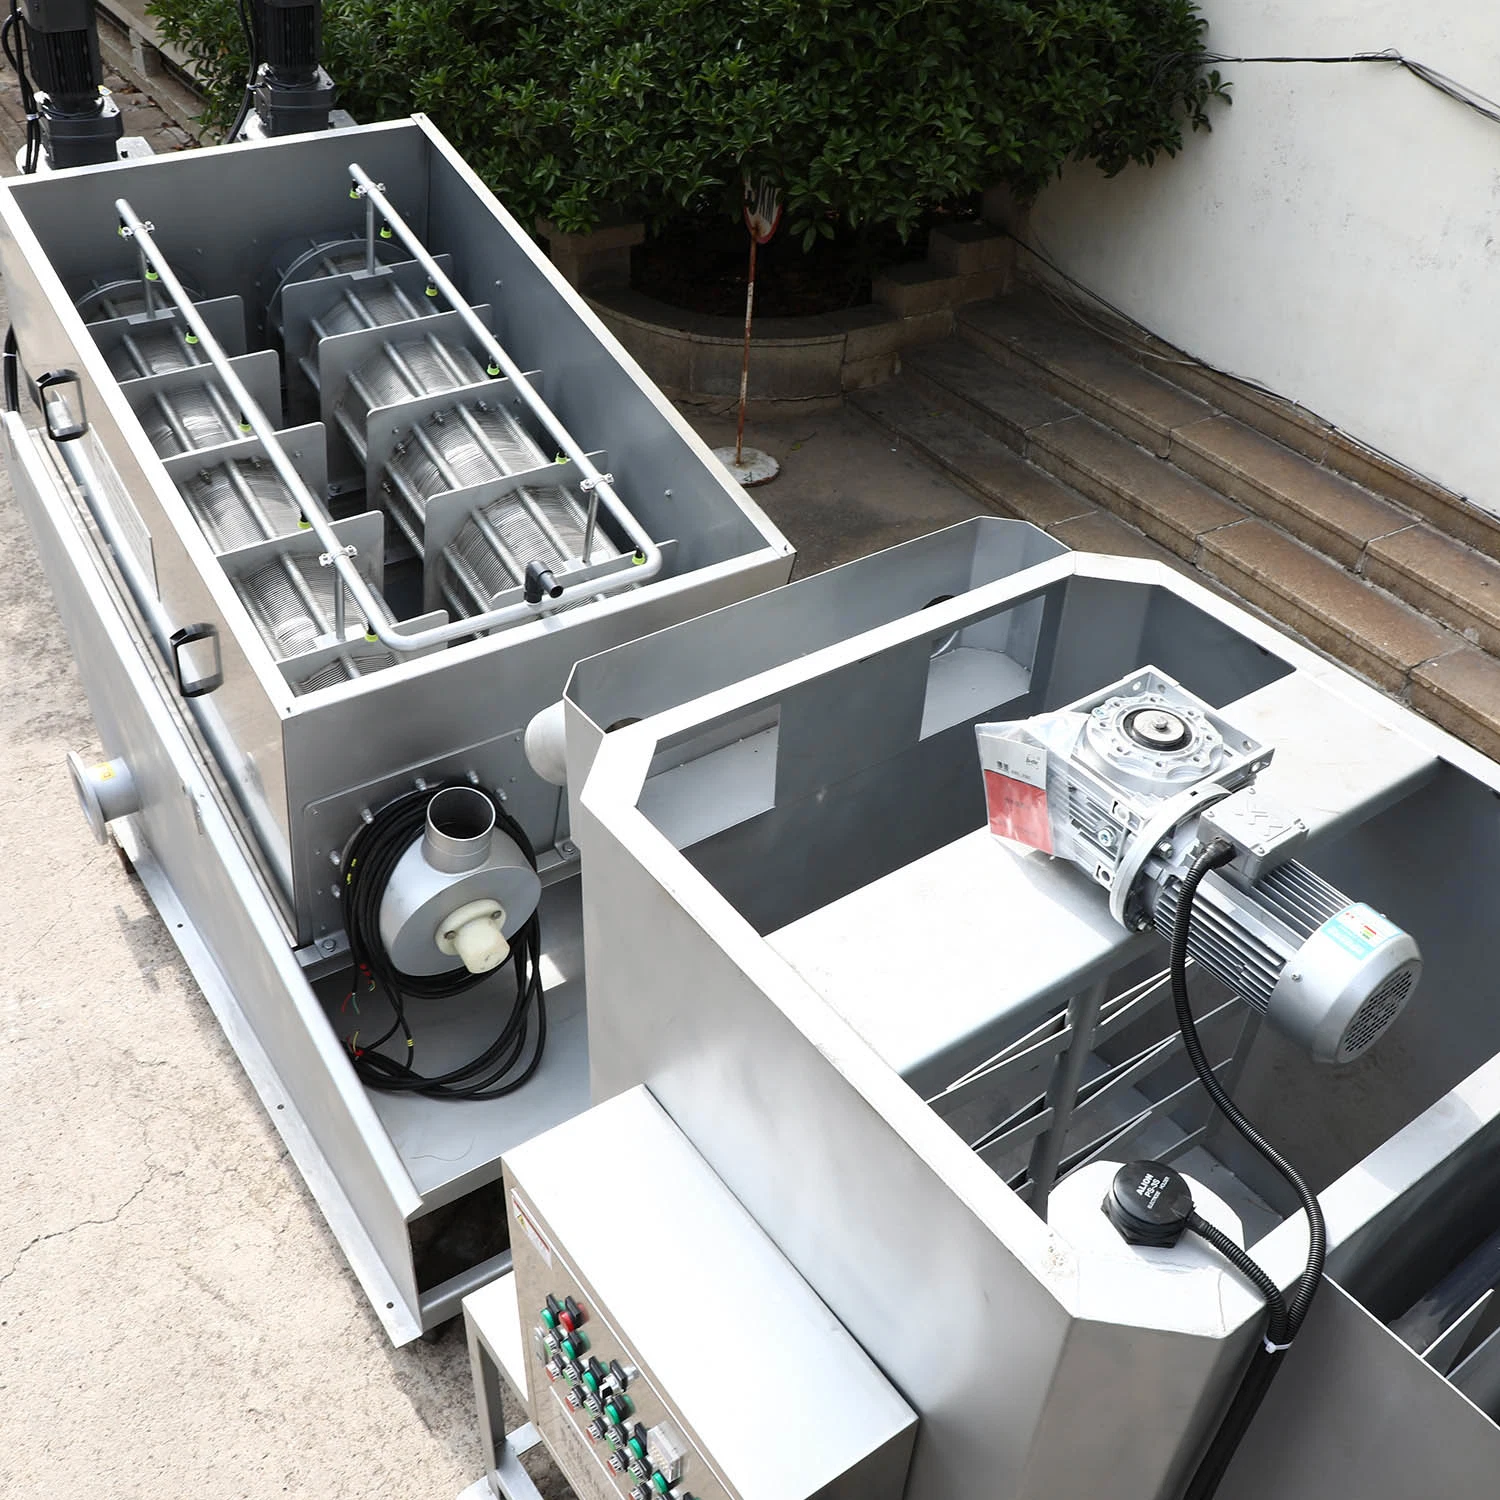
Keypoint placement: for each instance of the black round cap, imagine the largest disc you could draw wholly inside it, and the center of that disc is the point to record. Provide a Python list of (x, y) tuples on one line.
[(1149, 1203)]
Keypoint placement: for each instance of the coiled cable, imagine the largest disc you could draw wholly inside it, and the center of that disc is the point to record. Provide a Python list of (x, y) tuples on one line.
[(369, 862)]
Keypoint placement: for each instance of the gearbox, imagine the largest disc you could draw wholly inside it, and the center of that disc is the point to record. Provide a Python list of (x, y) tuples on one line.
[(1129, 784)]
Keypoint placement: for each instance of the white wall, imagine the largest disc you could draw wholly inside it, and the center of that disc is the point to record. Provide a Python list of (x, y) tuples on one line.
[(1337, 236)]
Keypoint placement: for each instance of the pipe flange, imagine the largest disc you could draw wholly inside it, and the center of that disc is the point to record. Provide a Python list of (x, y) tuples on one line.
[(105, 791), (1162, 824)]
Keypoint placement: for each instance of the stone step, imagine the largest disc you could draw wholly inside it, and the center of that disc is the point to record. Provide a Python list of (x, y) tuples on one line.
[(964, 248), (1299, 429), (988, 468), (964, 380), (1167, 505), (1411, 625), (980, 462), (1382, 638), (1319, 507), (920, 287), (1443, 578), (1461, 692), (1081, 367), (1101, 532), (1030, 337), (1024, 340), (1149, 508)]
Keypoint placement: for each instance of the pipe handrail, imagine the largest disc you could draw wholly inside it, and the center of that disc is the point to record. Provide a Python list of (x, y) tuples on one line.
[(594, 484), (379, 620)]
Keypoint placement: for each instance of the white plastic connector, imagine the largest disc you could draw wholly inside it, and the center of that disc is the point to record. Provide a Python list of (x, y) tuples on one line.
[(475, 934)]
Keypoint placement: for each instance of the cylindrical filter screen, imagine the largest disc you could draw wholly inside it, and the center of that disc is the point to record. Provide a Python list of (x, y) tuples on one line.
[(458, 447), (374, 305), (400, 371), (311, 259), (241, 502), (123, 297), (490, 554), (154, 351), (355, 662), (188, 419), (291, 602)]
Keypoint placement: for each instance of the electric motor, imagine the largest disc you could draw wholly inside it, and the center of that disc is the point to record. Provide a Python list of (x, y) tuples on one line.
[(80, 123), (1129, 784), (292, 93)]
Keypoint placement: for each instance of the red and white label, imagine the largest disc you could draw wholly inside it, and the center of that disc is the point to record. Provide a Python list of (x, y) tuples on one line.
[(523, 1218), (1015, 791)]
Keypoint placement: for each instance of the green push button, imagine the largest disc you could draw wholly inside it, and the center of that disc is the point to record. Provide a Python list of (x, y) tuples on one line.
[(591, 1380), (618, 1409), (637, 1447), (661, 1482), (574, 1345), (549, 1317)]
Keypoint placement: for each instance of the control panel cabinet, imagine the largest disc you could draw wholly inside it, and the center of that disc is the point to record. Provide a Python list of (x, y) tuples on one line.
[(671, 1349)]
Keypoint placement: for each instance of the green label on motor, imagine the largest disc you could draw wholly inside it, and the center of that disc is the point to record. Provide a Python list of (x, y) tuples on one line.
[(1359, 929)]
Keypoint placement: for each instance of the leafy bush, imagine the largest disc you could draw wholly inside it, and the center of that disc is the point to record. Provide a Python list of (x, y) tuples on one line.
[(864, 111)]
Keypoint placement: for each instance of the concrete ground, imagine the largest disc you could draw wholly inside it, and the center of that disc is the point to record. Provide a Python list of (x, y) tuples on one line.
[(175, 1319), (846, 487)]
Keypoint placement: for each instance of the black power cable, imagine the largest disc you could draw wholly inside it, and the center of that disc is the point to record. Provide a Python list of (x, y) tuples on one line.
[(12, 371), (1461, 93), (13, 43), (371, 858), (1287, 1318), (252, 47), (1277, 1331)]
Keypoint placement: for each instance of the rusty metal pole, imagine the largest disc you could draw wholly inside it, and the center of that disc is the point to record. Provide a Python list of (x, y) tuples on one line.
[(762, 210), (739, 436)]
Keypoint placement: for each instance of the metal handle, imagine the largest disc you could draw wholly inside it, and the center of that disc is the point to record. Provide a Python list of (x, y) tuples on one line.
[(51, 380), (187, 636)]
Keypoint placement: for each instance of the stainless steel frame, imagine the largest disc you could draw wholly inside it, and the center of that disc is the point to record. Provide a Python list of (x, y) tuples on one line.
[(733, 1361), (248, 792), (843, 962), (218, 216)]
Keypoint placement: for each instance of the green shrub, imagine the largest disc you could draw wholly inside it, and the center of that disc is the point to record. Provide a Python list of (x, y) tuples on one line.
[(864, 111)]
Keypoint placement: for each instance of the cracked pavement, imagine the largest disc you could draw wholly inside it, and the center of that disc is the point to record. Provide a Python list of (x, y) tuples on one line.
[(175, 1318)]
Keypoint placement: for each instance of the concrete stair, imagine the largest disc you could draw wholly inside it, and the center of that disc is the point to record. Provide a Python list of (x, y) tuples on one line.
[(1119, 444)]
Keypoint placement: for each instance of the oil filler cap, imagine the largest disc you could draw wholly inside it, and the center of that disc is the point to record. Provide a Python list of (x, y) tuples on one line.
[(1149, 1204)]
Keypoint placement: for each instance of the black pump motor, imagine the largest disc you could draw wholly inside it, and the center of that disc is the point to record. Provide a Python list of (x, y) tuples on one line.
[(292, 93), (80, 124)]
